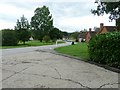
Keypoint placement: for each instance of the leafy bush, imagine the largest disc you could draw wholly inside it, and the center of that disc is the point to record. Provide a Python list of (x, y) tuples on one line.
[(76, 40), (23, 35), (46, 38), (9, 38), (105, 49)]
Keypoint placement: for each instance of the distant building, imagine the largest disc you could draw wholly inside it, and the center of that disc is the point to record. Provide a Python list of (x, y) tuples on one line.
[(102, 29), (106, 29), (82, 36), (31, 38), (90, 34)]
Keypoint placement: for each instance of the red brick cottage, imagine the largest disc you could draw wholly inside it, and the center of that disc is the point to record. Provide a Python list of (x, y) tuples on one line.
[(103, 29), (90, 34)]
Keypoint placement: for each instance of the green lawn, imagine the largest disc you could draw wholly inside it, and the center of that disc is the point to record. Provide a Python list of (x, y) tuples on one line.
[(79, 50), (29, 43)]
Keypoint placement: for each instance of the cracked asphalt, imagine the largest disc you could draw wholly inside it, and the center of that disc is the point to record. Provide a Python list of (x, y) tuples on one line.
[(41, 68)]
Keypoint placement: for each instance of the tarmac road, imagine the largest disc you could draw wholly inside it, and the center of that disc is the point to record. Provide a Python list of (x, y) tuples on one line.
[(6, 52), (41, 68)]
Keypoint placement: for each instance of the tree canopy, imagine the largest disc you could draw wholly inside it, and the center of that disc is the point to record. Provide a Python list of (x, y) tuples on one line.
[(112, 8), (41, 22), (22, 29), (55, 33)]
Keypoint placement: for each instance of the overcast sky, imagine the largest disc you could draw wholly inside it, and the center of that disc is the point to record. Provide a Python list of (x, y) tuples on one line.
[(69, 15)]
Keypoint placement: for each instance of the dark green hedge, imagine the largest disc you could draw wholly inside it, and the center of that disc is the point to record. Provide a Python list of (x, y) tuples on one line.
[(9, 38), (105, 49)]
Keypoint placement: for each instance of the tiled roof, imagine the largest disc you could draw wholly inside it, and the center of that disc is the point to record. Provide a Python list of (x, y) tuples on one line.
[(82, 35), (110, 28)]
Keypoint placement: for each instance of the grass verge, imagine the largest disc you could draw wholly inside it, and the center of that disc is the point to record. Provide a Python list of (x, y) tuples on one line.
[(79, 50), (30, 43)]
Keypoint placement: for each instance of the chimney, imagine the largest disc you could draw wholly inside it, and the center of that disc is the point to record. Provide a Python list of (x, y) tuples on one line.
[(101, 25), (90, 29)]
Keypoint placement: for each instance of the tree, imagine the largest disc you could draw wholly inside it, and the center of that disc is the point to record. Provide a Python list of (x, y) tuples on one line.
[(46, 38), (9, 37), (41, 22), (55, 33), (75, 35), (22, 29), (112, 8)]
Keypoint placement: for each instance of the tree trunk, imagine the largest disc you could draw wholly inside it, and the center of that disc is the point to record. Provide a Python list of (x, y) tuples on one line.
[(118, 24), (40, 40), (23, 42)]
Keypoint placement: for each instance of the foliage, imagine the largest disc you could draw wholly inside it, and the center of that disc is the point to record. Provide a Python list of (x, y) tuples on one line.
[(105, 49), (75, 35), (112, 8), (46, 38), (64, 33), (22, 29), (55, 34), (9, 37), (29, 44), (76, 40), (41, 22)]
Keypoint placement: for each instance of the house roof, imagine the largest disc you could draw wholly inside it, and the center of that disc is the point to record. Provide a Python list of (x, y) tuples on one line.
[(82, 35), (109, 28)]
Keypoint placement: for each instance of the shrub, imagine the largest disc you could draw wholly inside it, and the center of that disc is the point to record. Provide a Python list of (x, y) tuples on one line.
[(105, 49), (76, 40), (46, 38), (54, 40), (9, 38), (23, 35)]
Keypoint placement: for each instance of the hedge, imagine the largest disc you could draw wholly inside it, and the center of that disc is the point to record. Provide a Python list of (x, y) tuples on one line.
[(9, 38), (105, 49)]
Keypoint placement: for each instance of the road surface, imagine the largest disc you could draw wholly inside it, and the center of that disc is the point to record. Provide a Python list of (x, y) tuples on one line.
[(35, 67), (6, 52)]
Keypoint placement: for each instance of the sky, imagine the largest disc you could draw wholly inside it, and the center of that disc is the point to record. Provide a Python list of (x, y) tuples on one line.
[(68, 15)]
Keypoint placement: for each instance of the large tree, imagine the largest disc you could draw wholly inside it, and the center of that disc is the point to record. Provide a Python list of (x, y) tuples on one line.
[(112, 8), (22, 29), (41, 22), (55, 33)]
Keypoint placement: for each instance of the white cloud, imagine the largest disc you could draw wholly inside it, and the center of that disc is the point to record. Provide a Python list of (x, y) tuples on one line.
[(49, 1), (12, 11), (6, 25), (85, 22), (69, 15)]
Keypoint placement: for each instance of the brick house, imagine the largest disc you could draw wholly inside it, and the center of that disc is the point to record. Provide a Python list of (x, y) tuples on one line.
[(90, 34), (102, 29), (106, 29)]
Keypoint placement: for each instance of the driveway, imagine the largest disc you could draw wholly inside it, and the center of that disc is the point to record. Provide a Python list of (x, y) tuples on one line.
[(42, 68)]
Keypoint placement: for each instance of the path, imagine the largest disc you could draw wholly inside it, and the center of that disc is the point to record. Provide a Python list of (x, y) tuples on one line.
[(43, 69)]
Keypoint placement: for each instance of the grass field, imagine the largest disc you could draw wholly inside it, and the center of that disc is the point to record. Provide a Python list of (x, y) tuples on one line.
[(79, 50), (29, 43)]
